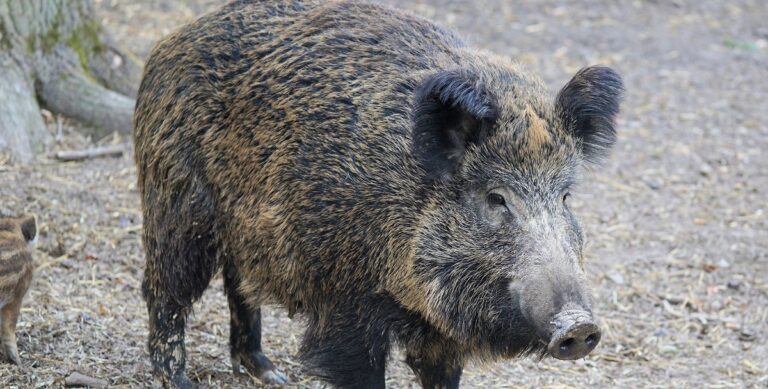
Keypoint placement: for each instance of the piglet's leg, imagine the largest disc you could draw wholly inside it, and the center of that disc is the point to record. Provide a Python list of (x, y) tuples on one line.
[(9, 314)]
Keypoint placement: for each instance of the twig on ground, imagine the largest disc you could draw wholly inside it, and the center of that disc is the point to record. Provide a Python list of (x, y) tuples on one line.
[(79, 155), (80, 380)]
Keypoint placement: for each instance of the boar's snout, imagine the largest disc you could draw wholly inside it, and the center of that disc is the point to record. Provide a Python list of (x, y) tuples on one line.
[(574, 335)]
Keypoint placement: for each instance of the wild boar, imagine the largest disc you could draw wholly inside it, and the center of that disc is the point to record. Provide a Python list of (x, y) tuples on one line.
[(365, 168)]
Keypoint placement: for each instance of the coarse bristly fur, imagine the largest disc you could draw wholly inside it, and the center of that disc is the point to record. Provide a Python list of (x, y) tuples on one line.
[(363, 168), (15, 277)]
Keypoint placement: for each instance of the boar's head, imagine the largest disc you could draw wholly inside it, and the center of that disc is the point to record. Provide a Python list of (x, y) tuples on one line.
[(498, 253)]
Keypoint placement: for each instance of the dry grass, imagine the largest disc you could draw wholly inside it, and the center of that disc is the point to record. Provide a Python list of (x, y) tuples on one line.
[(676, 222)]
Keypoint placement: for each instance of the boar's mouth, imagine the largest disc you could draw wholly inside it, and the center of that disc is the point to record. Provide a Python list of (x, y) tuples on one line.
[(563, 331), (515, 335)]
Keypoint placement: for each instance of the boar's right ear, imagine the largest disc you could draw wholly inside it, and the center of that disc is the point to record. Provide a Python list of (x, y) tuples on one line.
[(450, 113), (28, 226), (588, 105)]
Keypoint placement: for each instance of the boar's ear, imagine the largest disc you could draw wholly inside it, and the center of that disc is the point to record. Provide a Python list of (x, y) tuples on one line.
[(28, 225), (450, 112), (588, 105)]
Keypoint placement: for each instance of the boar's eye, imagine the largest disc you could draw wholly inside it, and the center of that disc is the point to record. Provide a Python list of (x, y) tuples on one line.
[(496, 199), (566, 196)]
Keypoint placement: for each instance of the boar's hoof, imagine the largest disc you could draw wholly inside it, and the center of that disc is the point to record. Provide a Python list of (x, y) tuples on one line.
[(180, 382), (273, 377), (574, 335), (260, 366)]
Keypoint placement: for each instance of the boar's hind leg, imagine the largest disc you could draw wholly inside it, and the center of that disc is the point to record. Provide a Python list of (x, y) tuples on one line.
[(166, 343), (181, 260), (245, 334)]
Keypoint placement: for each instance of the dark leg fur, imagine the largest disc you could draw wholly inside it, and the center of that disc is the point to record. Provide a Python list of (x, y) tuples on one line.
[(245, 335), (435, 374), (350, 351), (166, 343), (181, 260), (434, 358)]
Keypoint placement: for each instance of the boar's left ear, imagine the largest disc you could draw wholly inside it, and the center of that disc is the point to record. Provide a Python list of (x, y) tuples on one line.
[(450, 113), (588, 105)]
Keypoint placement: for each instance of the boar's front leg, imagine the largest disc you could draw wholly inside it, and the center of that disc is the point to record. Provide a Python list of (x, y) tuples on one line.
[(435, 374), (245, 334), (350, 349), (434, 359)]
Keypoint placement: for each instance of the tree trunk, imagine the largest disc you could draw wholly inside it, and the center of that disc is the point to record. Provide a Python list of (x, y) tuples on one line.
[(54, 53), (22, 130)]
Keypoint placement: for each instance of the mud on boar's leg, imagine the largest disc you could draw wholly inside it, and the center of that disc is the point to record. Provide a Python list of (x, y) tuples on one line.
[(166, 343)]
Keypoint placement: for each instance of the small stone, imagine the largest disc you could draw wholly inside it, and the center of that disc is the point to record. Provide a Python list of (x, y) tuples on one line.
[(668, 349), (674, 300), (124, 221), (616, 277), (83, 317), (723, 263), (746, 336), (734, 284), (652, 183), (705, 170)]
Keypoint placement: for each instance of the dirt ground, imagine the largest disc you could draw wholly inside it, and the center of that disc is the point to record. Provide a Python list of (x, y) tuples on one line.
[(676, 221)]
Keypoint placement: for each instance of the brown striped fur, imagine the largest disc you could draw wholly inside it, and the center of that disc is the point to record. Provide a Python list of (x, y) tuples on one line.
[(15, 277)]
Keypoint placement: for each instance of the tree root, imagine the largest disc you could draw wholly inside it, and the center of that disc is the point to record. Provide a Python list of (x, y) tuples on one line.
[(74, 95), (116, 69)]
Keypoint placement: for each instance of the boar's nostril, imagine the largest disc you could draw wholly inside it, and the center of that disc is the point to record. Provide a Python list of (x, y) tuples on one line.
[(575, 336), (592, 340), (567, 344)]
